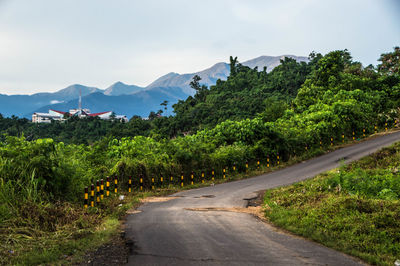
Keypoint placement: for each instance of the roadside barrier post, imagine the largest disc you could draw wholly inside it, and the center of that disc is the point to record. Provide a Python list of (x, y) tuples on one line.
[(212, 174), (171, 178), (386, 126), (130, 184), (115, 184), (191, 178), (363, 132), (268, 161), (108, 186), (152, 183), (182, 179), (101, 189), (247, 165), (331, 141), (258, 164), (342, 137), (141, 182), (97, 191), (277, 157), (375, 129), (234, 167), (92, 195), (162, 180), (202, 177), (224, 172), (354, 136), (86, 199)]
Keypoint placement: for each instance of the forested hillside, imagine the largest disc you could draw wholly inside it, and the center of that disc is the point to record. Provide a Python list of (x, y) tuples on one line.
[(246, 93)]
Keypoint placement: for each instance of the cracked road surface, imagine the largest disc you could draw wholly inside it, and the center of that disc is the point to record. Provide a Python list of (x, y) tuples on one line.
[(172, 232)]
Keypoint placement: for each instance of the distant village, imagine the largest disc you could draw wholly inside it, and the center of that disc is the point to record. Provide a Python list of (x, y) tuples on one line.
[(54, 115)]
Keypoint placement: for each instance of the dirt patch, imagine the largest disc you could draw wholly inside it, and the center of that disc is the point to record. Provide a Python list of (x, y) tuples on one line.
[(115, 252), (157, 199), (256, 211), (132, 211), (205, 196), (258, 200)]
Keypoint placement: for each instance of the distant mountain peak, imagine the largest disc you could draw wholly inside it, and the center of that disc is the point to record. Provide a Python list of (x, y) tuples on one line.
[(219, 70), (120, 88), (271, 61)]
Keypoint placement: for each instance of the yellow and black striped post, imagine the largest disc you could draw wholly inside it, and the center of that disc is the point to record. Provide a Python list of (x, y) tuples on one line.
[(171, 178), (92, 195), (342, 137), (354, 135), (320, 144), (278, 158), (108, 186), (306, 147), (224, 172), (395, 123), (130, 184), (247, 165), (234, 167), (97, 191), (86, 199), (101, 189), (141, 182), (331, 141), (268, 161), (202, 177), (152, 183), (258, 164), (375, 129), (386, 126), (182, 177), (161, 180), (115, 184), (363, 132), (191, 178), (212, 174)]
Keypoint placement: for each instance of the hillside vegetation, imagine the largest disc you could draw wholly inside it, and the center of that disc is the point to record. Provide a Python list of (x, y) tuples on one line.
[(296, 110), (355, 209)]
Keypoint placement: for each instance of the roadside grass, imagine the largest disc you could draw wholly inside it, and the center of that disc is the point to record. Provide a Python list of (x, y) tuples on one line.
[(62, 232), (354, 209)]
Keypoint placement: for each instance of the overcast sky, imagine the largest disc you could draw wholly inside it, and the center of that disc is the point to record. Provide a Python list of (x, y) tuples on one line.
[(46, 45)]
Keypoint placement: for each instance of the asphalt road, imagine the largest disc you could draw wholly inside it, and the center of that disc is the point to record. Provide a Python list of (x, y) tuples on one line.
[(167, 233)]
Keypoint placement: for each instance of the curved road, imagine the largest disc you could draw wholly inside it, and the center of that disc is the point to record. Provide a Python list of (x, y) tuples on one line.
[(167, 233)]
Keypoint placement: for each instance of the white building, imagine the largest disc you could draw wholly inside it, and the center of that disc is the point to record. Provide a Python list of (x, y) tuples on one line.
[(80, 112), (60, 116), (46, 117)]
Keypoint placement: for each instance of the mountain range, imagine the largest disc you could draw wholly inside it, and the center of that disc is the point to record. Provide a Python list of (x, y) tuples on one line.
[(127, 99)]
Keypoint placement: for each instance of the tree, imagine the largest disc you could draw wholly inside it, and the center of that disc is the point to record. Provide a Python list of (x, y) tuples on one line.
[(390, 62), (201, 90), (165, 104), (194, 84), (233, 63)]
